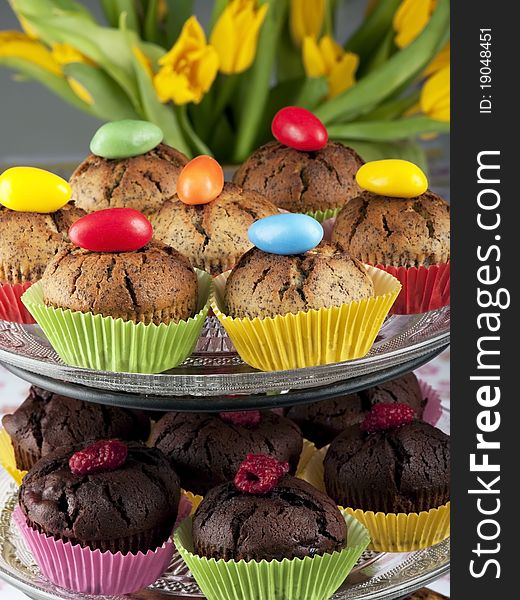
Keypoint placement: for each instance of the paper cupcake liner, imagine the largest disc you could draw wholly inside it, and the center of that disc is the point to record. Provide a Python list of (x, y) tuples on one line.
[(107, 344), (313, 337), (424, 288), (390, 532), (315, 578), (11, 306), (92, 571), (7, 458), (323, 215), (433, 408), (194, 499)]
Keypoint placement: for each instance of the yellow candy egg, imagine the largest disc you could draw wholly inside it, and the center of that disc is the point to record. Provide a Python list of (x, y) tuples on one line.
[(28, 189), (394, 177)]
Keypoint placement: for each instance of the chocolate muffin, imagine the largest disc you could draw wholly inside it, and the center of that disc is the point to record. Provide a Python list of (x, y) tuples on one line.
[(28, 241), (401, 470), (214, 235), (266, 285), (142, 182), (46, 421), (132, 508), (399, 232), (293, 520), (302, 181), (322, 421), (206, 450), (155, 284)]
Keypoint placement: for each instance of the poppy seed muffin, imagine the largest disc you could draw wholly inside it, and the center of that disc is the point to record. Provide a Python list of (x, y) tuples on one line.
[(46, 421), (205, 450), (155, 284), (292, 520), (130, 509), (142, 182), (28, 241), (400, 470), (302, 181), (214, 235), (265, 285), (399, 232)]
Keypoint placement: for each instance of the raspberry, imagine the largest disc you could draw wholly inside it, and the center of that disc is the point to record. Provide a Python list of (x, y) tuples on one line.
[(243, 418), (105, 455), (387, 416), (259, 474)]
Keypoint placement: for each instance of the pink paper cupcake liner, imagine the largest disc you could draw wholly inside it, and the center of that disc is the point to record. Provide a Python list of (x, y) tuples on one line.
[(11, 307), (91, 571), (433, 409), (423, 288)]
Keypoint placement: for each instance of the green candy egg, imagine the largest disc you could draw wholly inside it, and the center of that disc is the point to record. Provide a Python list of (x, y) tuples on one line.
[(126, 138)]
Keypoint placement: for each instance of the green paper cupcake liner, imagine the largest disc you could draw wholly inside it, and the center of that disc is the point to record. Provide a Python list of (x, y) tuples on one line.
[(323, 215), (106, 344), (315, 578)]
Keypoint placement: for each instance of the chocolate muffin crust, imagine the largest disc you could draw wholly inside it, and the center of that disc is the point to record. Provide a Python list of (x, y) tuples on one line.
[(142, 182), (294, 520), (266, 285), (403, 232), (214, 235), (155, 284)]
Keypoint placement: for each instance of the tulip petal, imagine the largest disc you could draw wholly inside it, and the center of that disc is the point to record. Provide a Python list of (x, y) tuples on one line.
[(312, 59)]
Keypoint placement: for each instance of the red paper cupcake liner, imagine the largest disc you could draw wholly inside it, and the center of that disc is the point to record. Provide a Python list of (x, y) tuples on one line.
[(11, 307), (433, 409), (423, 288)]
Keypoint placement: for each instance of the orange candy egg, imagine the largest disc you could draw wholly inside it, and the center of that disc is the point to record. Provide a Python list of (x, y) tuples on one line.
[(200, 181)]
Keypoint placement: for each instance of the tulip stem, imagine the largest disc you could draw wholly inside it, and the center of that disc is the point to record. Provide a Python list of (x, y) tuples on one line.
[(197, 145)]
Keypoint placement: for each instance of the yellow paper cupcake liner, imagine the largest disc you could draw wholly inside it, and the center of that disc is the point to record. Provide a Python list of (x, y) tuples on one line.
[(313, 337), (390, 532), (106, 344), (7, 458), (315, 578)]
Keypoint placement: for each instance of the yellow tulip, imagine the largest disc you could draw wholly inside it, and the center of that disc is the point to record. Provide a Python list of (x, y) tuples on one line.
[(15, 44), (235, 35), (65, 54), (189, 68), (145, 62), (440, 61), (306, 19), (328, 59), (410, 19), (435, 95)]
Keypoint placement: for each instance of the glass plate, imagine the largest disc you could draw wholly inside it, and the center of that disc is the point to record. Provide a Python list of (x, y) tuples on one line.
[(215, 368)]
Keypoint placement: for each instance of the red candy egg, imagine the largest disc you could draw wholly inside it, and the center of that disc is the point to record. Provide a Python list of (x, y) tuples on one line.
[(298, 128), (112, 230), (200, 181)]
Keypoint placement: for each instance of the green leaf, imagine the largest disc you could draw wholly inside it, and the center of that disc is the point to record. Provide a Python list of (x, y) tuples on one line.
[(179, 11), (373, 28), (110, 11), (128, 7), (406, 150), (392, 108), (197, 145), (41, 8), (151, 22), (383, 131), (289, 57), (381, 55), (390, 76)]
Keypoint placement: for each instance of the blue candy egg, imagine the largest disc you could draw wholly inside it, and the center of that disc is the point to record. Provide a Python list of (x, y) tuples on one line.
[(286, 234)]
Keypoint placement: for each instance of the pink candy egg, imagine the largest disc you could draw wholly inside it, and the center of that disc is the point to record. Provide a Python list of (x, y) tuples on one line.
[(298, 128)]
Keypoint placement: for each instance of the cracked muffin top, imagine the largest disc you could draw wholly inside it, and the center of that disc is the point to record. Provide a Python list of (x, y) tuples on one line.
[(155, 284), (132, 508), (399, 470), (205, 450), (293, 520), (214, 235), (402, 232), (28, 241), (266, 285), (302, 181), (322, 421), (142, 182), (46, 421)]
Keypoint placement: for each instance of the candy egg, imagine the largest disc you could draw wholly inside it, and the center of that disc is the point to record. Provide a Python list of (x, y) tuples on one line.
[(394, 177), (112, 230), (200, 181), (286, 233), (299, 128), (28, 189), (126, 138)]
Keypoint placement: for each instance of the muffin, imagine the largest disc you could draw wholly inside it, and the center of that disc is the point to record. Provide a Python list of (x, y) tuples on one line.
[(155, 284), (142, 182), (323, 421), (213, 235), (302, 181), (266, 285), (47, 421), (207, 449)]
